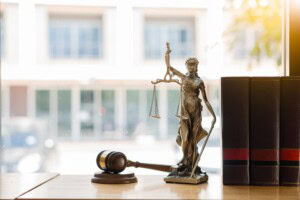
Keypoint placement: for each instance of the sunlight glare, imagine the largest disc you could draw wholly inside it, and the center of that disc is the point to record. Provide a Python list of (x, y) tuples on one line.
[(252, 3), (264, 3), (297, 3)]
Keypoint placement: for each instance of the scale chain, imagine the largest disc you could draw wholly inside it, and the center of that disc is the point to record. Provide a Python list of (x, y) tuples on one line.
[(154, 101)]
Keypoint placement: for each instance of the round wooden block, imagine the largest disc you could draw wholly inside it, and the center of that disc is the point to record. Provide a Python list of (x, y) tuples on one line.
[(110, 178)]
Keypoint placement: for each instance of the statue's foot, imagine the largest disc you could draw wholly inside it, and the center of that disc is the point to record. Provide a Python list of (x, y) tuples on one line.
[(185, 170), (181, 170), (199, 171), (181, 162)]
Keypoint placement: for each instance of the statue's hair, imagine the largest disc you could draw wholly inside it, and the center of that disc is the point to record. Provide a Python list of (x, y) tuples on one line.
[(195, 60)]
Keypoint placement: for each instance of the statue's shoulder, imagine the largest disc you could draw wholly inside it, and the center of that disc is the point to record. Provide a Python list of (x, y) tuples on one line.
[(199, 82)]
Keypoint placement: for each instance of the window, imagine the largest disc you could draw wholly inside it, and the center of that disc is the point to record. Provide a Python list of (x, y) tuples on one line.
[(75, 37), (214, 100), (108, 110), (178, 32), (1, 103), (152, 123), (173, 101), (18, 101), (240, 51), (64, 113), (132, 112), (42, 103), (243, 43), (1, 36), (86, 112)]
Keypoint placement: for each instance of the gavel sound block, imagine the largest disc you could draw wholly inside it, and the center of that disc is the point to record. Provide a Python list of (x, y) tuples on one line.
[(113, 163)]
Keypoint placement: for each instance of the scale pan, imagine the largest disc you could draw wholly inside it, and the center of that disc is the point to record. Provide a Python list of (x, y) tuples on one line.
[(155, 116)]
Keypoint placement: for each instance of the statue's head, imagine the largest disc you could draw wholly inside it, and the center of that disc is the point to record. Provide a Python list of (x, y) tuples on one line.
[(192, 64)]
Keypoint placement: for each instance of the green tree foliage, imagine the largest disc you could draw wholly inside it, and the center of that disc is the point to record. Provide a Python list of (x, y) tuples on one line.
[(264, 17)]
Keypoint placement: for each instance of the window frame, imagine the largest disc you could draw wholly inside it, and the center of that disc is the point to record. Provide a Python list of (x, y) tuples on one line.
[(292, 31), (74, 23), (178, 22), (2, 36)]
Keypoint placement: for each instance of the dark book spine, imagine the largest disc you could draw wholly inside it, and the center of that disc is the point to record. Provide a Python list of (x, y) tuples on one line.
[(290, 131), (235, 130), (264, 130)]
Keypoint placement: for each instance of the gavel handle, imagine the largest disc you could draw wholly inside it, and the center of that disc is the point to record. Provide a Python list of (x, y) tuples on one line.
[(163, 168)]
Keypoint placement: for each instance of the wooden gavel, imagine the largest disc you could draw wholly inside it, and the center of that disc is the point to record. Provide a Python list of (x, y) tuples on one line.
[(116, 162)]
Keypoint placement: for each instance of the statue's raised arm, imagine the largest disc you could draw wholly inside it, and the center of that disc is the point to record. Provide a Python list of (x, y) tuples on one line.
[(169, 68), (167, 60), (176, 72), (168, 75)]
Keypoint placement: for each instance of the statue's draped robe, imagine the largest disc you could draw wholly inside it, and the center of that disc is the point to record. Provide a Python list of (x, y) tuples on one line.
[(190, 131)]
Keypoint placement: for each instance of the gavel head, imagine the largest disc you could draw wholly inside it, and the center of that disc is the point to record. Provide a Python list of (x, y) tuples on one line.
[(111, 161)]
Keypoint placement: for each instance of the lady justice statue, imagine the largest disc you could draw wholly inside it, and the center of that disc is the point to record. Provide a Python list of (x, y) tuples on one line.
[(190, 130)]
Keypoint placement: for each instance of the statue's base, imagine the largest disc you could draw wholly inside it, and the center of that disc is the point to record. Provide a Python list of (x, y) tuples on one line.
[(110, 178), (197, 179)]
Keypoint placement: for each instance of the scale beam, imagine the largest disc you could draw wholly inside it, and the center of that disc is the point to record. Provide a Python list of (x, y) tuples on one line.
[(166, 81)]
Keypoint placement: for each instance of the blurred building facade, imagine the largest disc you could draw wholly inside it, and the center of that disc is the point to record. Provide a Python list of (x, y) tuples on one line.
[(85, 66)]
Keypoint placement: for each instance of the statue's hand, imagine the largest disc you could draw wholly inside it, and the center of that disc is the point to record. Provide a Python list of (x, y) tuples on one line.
[(172, 72)]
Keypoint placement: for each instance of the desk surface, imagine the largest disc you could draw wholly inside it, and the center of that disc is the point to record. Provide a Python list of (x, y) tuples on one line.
[(153, 187), (13, 185)]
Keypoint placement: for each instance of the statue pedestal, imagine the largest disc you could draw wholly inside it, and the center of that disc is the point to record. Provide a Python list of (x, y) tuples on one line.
[(197, 179)]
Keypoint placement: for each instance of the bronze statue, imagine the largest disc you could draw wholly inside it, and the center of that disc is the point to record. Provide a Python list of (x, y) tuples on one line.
[(190, 130)]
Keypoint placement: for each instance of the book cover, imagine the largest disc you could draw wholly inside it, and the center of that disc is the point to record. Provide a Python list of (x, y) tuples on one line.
[(235, 130), (290, 131), (264, 130)]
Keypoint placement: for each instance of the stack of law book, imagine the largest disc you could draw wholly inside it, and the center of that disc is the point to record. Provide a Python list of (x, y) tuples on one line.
[(261, 130)]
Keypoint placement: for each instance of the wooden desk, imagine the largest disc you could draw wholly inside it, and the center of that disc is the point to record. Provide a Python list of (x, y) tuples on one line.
[(153, 187), (12, 185)]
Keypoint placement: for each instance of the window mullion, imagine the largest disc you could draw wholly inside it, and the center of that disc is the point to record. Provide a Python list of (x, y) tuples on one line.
[(75, 39)]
